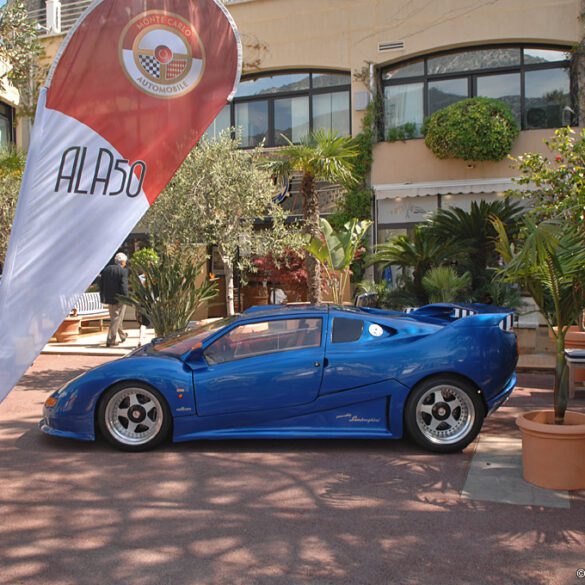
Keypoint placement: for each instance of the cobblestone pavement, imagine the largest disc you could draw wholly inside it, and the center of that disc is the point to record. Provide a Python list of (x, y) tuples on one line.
[(266, 512)]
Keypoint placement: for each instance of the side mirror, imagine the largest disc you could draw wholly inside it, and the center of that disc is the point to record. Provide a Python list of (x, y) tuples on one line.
[(194, 358)]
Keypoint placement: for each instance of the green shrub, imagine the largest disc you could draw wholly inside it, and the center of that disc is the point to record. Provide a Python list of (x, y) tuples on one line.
[(444, 285), (404, 132), (142, 258), (473, 129), (169, 295)]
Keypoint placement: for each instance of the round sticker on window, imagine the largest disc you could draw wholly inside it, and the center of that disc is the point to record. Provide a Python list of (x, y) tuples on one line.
[(376, 330)]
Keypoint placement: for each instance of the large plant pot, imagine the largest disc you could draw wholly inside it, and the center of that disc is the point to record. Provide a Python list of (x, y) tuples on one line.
[(575, 338), (553, 456)]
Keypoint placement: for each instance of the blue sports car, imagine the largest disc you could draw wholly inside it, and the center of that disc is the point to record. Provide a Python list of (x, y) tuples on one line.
[(301, 372)]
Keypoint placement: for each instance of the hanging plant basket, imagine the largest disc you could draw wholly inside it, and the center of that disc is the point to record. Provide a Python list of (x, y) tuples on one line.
[(476, 129)]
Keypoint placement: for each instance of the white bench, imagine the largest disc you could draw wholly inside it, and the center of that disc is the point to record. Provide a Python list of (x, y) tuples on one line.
[(89, 308)]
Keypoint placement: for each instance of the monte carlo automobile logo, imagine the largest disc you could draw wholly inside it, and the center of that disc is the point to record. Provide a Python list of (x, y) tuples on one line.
[(162, 54)]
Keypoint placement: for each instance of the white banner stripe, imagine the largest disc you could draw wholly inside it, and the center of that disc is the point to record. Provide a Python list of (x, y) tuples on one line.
[(44, 256)]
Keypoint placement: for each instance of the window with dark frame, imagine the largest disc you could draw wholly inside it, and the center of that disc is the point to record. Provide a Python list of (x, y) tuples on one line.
[(346, 330), (6, 125), (290, 105), (535, 82)]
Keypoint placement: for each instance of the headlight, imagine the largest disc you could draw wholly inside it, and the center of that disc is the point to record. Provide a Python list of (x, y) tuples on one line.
[(51, 402), (53, 399)]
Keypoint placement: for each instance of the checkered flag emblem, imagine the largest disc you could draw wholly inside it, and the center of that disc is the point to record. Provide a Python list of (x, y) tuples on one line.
[(176, 68), (150, 65)]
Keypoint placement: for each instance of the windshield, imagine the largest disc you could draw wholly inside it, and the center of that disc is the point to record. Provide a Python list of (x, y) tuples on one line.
[(184, 341)]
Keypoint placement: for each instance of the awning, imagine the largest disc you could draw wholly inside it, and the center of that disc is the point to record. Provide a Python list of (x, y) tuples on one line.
[(468, 186)]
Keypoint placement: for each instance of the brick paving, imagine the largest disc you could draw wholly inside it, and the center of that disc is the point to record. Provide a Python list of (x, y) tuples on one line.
[(266, 512)]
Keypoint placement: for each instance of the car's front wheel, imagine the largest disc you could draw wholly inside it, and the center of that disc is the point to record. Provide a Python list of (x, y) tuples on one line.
[(134, 417), (444, 414)]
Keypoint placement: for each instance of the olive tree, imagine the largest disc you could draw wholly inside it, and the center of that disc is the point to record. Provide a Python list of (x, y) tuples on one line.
[(218, 197), (11, 169), (20, 51)]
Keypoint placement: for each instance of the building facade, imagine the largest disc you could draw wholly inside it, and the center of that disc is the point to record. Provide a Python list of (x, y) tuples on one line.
[(312, 64), (419, 56)]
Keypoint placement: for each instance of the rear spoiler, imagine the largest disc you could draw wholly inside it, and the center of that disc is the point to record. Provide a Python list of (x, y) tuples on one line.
[(446, 313), (488, 315)]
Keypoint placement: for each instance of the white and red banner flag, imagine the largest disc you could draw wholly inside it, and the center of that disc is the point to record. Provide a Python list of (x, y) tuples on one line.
[(135, 85)]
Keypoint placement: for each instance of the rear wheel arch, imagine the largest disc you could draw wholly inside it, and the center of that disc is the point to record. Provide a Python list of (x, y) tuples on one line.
[(456, 377), (444, 412)]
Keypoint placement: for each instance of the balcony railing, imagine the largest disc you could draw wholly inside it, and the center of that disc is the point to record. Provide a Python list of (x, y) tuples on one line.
[(58, 17), (71, 12)]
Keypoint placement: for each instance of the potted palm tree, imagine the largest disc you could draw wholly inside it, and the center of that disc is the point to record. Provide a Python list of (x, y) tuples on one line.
[(550, 264)]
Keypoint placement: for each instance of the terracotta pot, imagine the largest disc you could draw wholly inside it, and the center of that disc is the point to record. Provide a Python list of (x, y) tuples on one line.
[(575, 338), (553, 456)]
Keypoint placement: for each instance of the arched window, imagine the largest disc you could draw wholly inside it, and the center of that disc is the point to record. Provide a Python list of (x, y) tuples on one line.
[(533, 81), (292, 104)]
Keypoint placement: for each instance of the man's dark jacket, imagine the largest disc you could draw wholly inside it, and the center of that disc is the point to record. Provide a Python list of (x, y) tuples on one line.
[(114, 282)]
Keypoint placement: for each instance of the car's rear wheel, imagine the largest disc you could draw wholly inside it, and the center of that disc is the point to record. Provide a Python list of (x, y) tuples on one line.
[(444, 414), (134, 417)]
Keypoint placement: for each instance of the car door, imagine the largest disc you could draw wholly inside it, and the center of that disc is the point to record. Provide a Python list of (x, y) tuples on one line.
[(357, 353), (262, 365)]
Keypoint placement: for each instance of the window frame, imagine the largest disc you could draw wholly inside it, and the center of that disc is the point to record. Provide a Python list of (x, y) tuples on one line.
[(7, 112), (472, 75), (271, 97), (352, 318), (260, 355)]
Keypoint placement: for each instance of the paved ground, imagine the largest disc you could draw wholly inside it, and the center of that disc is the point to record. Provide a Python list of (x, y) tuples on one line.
[(94, 344), (278, 513)]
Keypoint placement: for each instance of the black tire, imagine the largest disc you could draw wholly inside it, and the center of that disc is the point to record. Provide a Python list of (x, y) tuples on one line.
[(444, 414), (134, 417)]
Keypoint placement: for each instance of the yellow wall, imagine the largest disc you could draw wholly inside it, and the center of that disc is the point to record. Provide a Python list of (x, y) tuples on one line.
[(9, 95), (344, 34), (413, 162)]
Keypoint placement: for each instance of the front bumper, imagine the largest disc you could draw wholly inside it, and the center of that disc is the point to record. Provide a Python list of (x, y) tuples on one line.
[(494, 403), (67, 428)]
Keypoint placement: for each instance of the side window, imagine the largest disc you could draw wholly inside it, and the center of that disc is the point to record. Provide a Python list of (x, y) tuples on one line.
[(346, 330), (254, 339)]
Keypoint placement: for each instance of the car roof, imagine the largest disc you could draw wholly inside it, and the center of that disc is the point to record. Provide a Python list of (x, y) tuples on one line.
[(283, 310), (276, 311)]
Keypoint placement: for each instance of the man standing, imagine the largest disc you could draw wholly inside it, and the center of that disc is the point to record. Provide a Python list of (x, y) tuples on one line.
[(114, 282)]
